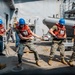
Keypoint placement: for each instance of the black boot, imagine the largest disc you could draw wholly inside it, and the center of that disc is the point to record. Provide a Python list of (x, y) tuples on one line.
[(19, 60)]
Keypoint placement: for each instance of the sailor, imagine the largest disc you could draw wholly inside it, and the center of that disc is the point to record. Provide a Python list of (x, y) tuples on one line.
[(10, 33), (71, 61), (26, 35), (58, 32), (2, 33)]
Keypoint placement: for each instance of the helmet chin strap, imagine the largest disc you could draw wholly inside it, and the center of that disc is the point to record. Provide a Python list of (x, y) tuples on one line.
[(21, 26), (62, 24)]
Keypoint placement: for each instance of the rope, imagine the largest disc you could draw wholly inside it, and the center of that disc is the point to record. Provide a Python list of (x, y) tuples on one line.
[(7, 50)]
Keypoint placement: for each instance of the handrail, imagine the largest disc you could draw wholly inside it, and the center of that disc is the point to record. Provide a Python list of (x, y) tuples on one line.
[(68, 6)]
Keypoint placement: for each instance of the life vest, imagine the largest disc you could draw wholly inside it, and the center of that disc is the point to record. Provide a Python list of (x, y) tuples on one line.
[(61, 31), (25, 31), (73, 26), (2, 30)]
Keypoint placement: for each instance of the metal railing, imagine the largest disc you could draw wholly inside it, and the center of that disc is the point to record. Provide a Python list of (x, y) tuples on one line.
[(69, 6)]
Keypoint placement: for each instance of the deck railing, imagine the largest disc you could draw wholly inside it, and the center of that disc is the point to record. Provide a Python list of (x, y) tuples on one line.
[(69, 6)]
